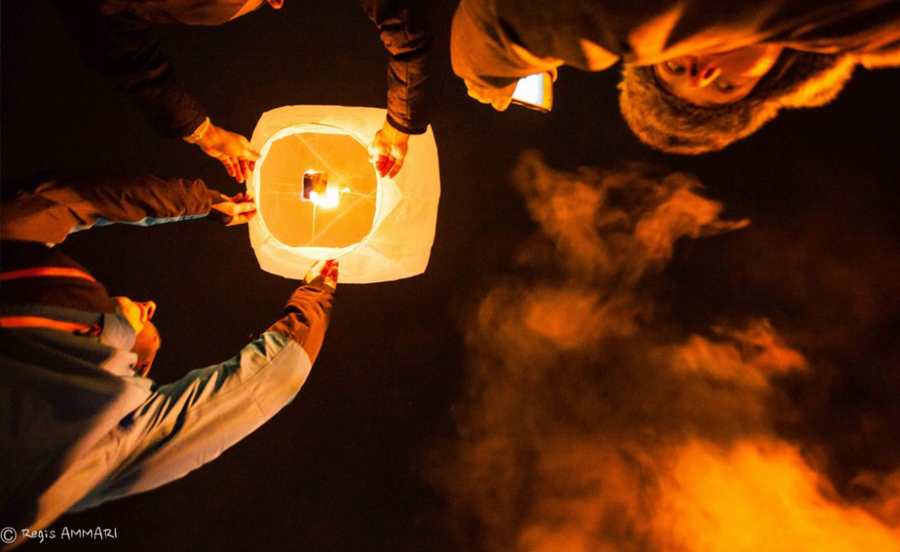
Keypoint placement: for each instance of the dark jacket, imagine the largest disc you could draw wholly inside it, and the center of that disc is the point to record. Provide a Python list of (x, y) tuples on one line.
[(77, 425), (116, 39), (496, 42)]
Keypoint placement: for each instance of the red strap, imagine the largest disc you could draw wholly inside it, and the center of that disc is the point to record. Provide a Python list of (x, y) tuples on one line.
[(41, 322), (51, 271)]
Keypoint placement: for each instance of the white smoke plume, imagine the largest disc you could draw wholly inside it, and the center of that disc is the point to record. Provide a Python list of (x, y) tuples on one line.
[(589, 422)]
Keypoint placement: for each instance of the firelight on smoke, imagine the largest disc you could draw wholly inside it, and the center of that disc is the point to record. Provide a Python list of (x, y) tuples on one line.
[(590, 421)]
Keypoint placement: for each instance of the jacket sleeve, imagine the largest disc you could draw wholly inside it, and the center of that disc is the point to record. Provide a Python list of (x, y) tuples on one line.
[(69, 202), (125, 50), (482, 53), (188, 423), (412, 33)]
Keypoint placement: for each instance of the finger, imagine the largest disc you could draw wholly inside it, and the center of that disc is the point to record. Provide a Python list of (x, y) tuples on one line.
[(245, 208), (240, 208), (397, 165), (241, 218), (243, 198), (388, 171), (245, 167), (475, 96), (236, 168), (377, 143), (252, 155), (397, 157), (242, 143), (229, 166), (252, 165), (387, 166), (315, 270), (331, 278), (378, 149), (501, 104)]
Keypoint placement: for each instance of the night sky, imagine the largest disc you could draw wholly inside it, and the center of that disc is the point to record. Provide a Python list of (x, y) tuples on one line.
[(365, 457)]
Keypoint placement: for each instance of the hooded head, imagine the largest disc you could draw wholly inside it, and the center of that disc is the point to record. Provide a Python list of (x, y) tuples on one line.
[(669, 123), (147, 340)]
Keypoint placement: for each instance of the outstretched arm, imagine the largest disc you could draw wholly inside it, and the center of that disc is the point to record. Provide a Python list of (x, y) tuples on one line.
[(125, 50), (413, 33), (70, 201), (188, 423)]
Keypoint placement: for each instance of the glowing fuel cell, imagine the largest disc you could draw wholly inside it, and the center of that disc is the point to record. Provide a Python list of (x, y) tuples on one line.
[(314, 181)]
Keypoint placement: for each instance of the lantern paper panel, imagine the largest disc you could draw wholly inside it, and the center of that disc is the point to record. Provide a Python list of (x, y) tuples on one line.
[(319, 197)]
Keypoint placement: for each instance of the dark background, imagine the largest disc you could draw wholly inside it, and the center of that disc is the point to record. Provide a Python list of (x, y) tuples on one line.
[(344, 467)]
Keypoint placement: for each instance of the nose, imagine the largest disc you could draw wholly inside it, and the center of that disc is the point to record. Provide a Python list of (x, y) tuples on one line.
[(702, 71)]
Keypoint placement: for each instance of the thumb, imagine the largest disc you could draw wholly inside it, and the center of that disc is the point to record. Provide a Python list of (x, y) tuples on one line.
[(251, 154), (500, 104), (244, 207)]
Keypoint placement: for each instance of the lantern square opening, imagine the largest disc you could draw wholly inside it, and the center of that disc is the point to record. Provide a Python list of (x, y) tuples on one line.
[(319, 197), (318, 190)]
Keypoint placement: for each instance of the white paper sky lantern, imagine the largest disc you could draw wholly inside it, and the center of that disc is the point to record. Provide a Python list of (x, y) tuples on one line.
[(319, 197)]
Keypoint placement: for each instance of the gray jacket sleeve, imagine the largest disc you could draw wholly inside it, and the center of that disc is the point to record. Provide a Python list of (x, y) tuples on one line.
[(190, 422)]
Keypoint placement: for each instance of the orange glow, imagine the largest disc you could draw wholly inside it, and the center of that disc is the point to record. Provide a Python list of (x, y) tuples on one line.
[(760, 495), (590, 423), (329, 199), (589, 483), (303, 181), (748, 356)]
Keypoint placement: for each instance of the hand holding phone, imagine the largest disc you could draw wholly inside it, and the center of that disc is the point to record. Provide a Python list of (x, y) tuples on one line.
[(535, 92)]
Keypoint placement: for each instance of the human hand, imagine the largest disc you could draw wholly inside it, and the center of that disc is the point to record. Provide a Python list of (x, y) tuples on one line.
[(487, 96), (236, 210), (232, 150), (388, 150), (327, 270)]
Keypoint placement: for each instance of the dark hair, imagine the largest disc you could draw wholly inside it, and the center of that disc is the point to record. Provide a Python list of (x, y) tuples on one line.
[(668, 123)]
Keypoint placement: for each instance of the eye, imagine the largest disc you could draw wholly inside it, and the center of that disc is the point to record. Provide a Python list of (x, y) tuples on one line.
[(674, 67)]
